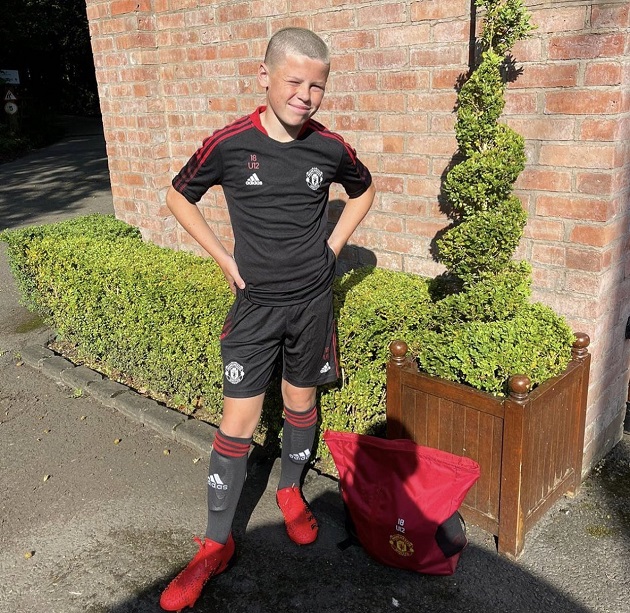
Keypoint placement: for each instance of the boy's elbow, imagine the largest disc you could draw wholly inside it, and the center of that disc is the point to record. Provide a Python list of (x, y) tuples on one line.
[(173, 199)]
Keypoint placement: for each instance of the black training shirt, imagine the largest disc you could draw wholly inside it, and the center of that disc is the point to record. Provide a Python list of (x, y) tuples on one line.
[(277, 196)]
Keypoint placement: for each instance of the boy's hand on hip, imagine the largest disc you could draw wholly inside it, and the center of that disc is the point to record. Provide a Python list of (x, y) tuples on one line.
[(233, 277)]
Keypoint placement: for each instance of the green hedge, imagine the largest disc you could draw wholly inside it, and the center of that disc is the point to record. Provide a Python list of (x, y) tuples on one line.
[(154, 316)]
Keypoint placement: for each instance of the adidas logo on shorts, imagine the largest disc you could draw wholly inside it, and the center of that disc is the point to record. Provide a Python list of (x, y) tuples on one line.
[(253, 180)]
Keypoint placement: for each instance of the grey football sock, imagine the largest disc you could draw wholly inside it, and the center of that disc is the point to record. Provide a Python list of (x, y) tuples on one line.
[(226, 476), (298, 436)]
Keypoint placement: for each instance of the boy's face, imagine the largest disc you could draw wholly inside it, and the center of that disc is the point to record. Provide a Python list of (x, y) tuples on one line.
[(295, 89)]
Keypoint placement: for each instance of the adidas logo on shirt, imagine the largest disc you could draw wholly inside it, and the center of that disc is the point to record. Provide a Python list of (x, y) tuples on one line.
[(253, 180)]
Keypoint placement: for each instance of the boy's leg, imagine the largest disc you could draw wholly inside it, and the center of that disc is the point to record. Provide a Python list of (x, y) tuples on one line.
[(298, 432), (226, 476), (228, 463), (298, 436)]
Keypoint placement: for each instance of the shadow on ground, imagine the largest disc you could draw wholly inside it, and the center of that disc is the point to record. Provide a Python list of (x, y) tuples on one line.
[(272, 575)]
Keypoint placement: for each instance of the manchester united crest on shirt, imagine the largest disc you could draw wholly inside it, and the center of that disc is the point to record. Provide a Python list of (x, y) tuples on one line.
[(314, 178)]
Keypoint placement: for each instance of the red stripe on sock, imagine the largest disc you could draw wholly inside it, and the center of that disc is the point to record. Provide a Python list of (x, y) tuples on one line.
[(306, 419), (229, 448)]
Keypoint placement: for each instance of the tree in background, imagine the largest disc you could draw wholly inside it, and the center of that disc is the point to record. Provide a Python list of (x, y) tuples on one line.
[(48, 41)]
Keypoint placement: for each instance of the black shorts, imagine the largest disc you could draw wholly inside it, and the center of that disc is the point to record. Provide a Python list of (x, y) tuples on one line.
[(253, 336)]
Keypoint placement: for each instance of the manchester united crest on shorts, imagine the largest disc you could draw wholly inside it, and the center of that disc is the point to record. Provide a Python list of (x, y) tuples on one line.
[(234, 373), (314, 178)]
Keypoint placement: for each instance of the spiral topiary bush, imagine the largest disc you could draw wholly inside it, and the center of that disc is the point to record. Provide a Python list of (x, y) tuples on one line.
[(487, 329)]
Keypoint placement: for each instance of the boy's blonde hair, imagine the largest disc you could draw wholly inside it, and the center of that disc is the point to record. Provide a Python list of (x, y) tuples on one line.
[(298, 41)]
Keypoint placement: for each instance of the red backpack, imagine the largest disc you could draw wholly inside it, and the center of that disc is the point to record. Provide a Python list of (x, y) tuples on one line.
[(403, 499)]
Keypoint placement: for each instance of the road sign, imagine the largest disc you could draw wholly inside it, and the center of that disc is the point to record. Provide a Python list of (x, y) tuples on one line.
[(11, 108), (10, 77), (9, 96)]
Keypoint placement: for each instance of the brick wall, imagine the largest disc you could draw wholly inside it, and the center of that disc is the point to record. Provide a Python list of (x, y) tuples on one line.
[(170, 72)]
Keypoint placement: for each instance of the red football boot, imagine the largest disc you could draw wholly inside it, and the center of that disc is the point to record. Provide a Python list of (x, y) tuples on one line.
[(211, 560), (299, 520)]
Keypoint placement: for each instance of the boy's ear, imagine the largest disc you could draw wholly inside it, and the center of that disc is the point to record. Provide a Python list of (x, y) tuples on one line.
[(263, 75)]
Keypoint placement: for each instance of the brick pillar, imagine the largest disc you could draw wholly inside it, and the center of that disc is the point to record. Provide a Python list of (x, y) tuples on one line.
[(124, 41)]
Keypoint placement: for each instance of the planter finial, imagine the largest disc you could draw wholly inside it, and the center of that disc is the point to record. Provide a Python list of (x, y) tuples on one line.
[(580, 346), (519, 387), (398, 350)]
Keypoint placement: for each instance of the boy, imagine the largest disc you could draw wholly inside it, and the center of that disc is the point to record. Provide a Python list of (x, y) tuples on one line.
[(275, 167)]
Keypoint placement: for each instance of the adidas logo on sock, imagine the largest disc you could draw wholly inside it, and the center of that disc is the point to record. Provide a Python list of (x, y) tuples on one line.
[(253, 180), (302, 456), (215, 482)]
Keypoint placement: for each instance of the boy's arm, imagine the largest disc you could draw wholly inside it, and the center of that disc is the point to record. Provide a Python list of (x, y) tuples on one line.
[(191, 219), (353, 213)]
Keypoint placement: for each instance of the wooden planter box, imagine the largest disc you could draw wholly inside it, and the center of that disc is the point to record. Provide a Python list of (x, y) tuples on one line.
[(529, 445)]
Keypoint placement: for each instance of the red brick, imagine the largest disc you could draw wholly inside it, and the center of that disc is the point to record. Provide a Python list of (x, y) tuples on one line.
[(572, 208), (424, 186), (358, 82), (440, 55), (403, 80), (543, 128), (450, 31), (229, 13), (613, 16), (171, 21), (351, 122), (578, 155), (519, 103), (405, 35), (269, 8), (440, 100), (353, 40), (603, 73), (598, 235), (590, 260), (528, 50), (249, 31), (586, 46), (119, 7), (380, 14), (538, 179), (547, 76), (553, 255), (582, 282), (544, 229), (393, 185), (434, 145), (597, 183), (381, 102), (559, 19), (404, 165), (392, 58), (446, 78), (599, 129), (335, 20), (431, 10), (386, 223), (443, 123), (584, 102), (546, 278)]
